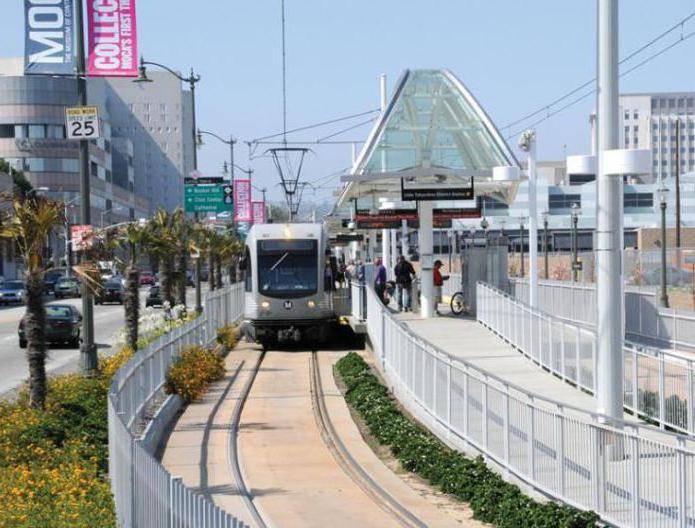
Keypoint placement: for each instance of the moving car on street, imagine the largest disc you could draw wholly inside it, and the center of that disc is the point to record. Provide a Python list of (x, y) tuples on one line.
[(50, 278), (67, 287), (62, 325), (154, 297), (111, 292), (12, 292), (146, 278)]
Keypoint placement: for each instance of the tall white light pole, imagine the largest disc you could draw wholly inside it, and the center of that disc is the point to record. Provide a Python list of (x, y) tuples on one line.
[(527, 143), (608, 221)]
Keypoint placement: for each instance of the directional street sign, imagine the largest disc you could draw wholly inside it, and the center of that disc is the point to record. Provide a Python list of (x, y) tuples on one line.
[(208, 198)]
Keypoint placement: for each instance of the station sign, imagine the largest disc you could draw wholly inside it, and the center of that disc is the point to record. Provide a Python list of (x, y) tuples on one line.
[(208, 198), (392, 218), (414, 192), (82, 122), (344, 239)]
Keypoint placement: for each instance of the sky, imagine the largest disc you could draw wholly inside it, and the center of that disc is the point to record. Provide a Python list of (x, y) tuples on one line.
[(515, 57)]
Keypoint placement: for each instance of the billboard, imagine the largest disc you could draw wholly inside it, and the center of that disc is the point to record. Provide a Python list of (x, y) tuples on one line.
[(112, 39), (242, 201), (258, 212), (49, 44)]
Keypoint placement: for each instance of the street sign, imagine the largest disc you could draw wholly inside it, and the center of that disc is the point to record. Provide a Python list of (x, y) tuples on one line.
[(204, 180), (81, 237), (208, 198), (82, 122)]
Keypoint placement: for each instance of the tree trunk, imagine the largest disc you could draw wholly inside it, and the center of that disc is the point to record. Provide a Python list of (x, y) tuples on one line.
[(131, 305), (182, 276), (211, 270), (35, 332), (166, 275), (218, 272)]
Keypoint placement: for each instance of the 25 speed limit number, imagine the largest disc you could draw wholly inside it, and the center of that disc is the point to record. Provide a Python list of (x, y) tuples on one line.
[(82, 122)]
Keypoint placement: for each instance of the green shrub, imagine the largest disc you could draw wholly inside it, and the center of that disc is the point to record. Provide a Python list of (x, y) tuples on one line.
[(190, 375), (491, 498)]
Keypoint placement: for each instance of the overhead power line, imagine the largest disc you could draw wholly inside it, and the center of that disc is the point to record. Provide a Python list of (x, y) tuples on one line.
[(547, 107), (315, 125), (552, 113)]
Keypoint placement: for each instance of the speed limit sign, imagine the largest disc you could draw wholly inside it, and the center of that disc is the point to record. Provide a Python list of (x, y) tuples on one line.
[(82, 122)]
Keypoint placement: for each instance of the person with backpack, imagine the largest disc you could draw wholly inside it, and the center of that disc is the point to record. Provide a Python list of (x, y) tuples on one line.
[(404, 273)]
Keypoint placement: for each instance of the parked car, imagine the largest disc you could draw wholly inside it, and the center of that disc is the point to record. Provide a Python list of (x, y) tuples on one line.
[(154, 297), (67, 287), (111, 292), (146, 278), (62, 325), (13, 292), (50, 278)]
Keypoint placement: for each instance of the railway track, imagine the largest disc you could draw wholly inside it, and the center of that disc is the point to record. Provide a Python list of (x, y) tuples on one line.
[(345, 460)]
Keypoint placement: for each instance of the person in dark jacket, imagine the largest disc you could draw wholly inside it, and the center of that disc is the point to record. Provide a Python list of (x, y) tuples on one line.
[(380, 280), (404, 273)]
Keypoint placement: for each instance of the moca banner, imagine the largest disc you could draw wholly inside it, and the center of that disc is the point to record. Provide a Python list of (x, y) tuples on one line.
[(242, 201), (49, 44), (113, 41), (258, 212)]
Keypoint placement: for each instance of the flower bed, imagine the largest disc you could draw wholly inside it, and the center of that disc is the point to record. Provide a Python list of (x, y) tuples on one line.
[(491, 498), (191, 374), (54, 463)]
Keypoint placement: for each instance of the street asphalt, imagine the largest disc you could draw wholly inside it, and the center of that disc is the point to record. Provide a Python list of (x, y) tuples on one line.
[(108, 320)]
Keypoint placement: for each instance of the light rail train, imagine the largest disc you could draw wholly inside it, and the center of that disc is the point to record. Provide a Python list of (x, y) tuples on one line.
[(289, 292)]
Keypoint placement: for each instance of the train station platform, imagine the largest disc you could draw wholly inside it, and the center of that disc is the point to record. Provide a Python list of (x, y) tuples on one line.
[(467, 339)]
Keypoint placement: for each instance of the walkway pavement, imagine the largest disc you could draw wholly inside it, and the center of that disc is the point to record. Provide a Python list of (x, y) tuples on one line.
[(469, 340)]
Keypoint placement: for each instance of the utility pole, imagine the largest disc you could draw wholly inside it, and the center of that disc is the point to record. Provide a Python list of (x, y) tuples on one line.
[(88, 349), (678, 183)]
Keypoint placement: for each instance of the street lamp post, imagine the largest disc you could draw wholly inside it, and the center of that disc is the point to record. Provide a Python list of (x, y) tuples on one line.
[(192, 80), (545, 242), (662, 191), (575, 261)]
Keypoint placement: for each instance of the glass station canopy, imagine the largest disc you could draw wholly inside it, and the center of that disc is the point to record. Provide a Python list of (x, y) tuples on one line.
[(434, 122)]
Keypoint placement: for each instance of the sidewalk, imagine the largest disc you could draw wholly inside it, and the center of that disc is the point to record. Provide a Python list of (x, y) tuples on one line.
[(197, 448)]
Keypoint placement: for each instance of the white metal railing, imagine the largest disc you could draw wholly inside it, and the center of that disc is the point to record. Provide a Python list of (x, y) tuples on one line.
[(565, 452), (658, 385), (145, 494)]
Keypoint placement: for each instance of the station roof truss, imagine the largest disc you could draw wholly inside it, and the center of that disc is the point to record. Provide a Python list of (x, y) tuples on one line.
[(432, 131)]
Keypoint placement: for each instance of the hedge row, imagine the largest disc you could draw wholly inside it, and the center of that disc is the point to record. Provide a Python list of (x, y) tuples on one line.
[(491, 498), (193, 371)]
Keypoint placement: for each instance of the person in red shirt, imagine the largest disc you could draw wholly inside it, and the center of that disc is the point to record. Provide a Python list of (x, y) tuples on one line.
[(438, 283)]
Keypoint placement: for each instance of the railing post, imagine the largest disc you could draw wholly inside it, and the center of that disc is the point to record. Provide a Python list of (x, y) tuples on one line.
[(448, 393), (531, 438), (635, 381), (662, 400), (560, 450), (466, 420), (635, 466), (682, 489), (505, 411), (691, 398), (485, 413)]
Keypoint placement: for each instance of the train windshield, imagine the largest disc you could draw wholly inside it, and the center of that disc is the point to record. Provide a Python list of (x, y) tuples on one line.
[(287, 268)]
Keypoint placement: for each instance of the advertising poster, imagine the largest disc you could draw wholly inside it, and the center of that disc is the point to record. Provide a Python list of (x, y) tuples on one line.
[(112, 39), (258, 212), (242, 201), (49, 47)]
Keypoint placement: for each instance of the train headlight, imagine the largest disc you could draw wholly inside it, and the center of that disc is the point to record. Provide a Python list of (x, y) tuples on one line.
[(311, 304), (265, 305)]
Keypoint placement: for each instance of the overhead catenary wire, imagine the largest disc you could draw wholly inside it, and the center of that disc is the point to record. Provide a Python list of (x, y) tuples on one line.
[(547, 107), (315, 125), (552, 113)]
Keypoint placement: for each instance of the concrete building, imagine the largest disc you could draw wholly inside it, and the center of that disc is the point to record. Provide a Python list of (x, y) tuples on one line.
[(136, 166)]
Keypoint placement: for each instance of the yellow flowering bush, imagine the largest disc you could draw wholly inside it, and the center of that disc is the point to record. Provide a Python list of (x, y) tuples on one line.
[(190, 375), (226, 336)]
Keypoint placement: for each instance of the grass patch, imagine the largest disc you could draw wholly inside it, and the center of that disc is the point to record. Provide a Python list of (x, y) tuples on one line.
[(491, 498)]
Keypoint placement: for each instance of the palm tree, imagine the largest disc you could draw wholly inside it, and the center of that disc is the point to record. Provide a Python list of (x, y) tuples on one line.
[(181, 231), (28, 224), (163, 244), (133, 238)]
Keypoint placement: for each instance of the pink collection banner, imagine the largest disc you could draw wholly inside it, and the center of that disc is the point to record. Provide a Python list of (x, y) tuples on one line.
[(258, 212), (113, 38), (242, 201)]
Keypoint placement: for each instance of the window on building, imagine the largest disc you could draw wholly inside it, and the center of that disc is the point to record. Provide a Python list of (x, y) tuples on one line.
[(672, 103), (655, 163), (627, 115), (635, 114), (148, 118), (581, 179), (635, 129), (655, 126), (37, 131), (636, 199), (109, 176), (563, 201), (107, 145), (627, 130), (93, 169), (6, 131), (635, 141), (681, 103), (689, 102), (56, 131)]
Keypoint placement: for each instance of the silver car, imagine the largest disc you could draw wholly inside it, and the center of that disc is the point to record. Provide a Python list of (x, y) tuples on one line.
[(12, 292), (67, 287)]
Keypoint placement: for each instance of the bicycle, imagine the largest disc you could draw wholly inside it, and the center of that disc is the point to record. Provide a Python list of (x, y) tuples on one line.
[(458, 304)]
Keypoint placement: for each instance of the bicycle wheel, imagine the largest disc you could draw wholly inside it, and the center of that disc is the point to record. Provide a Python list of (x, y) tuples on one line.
[(458, 304)]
